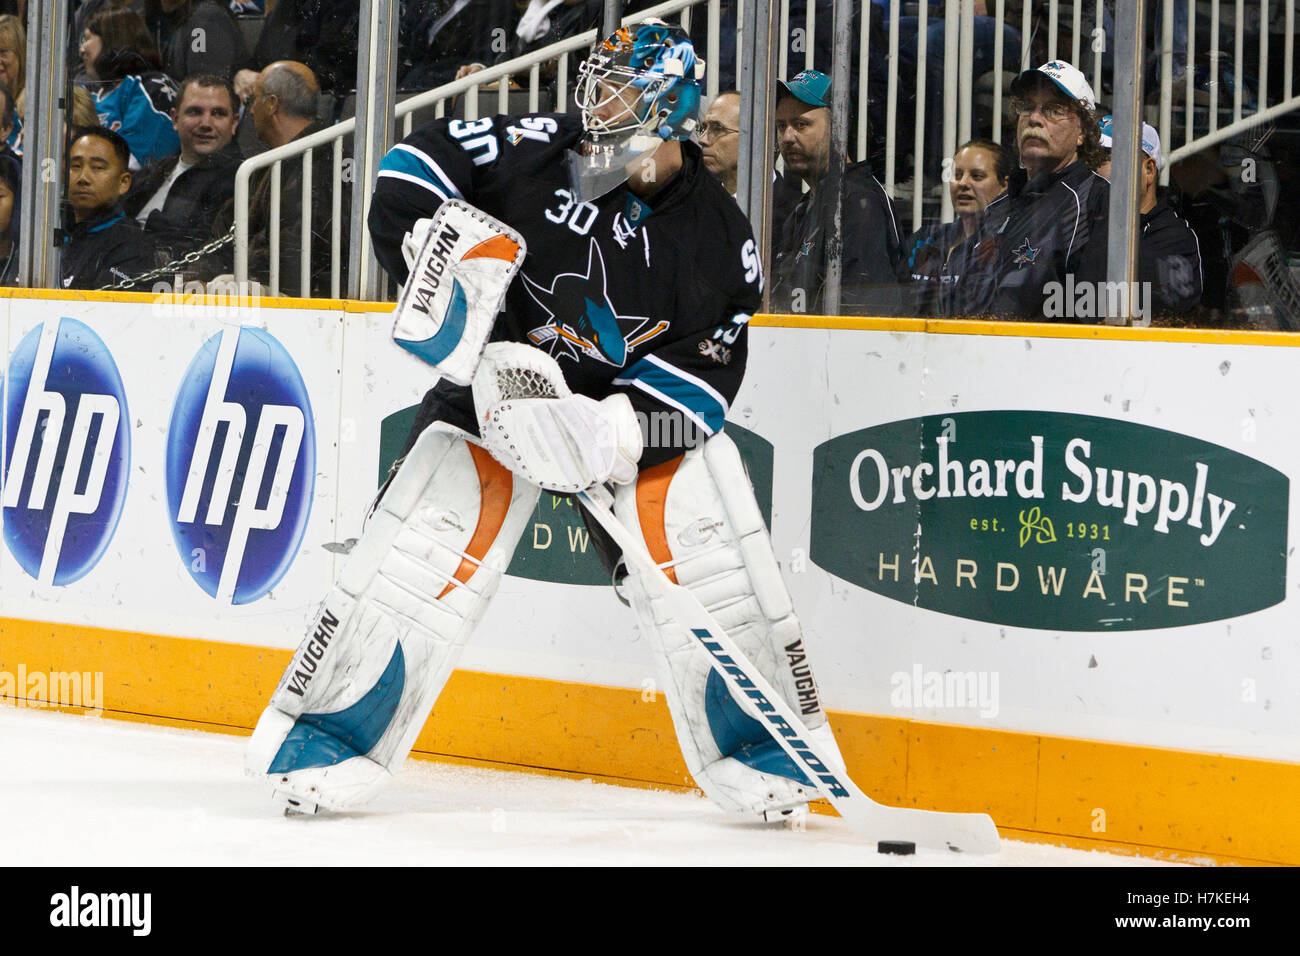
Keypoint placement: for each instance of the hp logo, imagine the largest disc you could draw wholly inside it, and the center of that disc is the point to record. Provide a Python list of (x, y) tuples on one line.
[(241, 465), (69, 455)]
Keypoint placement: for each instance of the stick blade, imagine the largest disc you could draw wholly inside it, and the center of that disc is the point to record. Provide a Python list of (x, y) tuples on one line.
[(932, 829)]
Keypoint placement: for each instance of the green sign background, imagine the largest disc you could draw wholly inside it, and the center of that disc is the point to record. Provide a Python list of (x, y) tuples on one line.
[(915, 551)]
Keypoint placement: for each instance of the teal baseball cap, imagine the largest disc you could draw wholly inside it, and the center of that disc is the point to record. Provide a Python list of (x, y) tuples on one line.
[(811, 86)]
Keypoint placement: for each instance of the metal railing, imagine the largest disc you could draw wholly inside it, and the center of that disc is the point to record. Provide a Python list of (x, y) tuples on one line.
[(971, 78), (470, 86)]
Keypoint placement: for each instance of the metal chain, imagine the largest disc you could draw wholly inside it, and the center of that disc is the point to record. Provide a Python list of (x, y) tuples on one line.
[(175, 265)]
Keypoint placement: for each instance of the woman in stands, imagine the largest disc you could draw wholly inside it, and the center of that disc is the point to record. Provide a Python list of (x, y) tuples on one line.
[(13, 72), (132, 96), (10, 190), (935, 257)]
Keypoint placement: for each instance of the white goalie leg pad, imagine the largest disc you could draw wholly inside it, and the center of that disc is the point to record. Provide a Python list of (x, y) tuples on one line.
[(700, 519), (360, 686)]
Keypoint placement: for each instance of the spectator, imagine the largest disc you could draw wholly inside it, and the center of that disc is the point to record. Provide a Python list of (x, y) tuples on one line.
[(84, 12), (131, 96), (1169, 254), (10, 193), (177, 199), (1225, 213), (8, 118), (284, 109), (13, 74), (869, 232), (321, 34), (1054, 224), (104, 245), (439, 39), (197, 36), (937, 256), (719, 137), (83, 110)]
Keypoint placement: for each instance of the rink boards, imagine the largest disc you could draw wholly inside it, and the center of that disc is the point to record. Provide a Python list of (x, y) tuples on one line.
[(1044, 571)]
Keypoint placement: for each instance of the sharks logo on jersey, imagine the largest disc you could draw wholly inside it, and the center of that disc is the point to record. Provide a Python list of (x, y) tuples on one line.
[(583, 320)]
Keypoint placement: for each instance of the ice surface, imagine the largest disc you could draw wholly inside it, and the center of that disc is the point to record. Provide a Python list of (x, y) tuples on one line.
[(83, 791)]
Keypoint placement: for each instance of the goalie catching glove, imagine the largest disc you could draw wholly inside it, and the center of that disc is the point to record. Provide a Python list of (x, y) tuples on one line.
[(534, 425), (462, 262)]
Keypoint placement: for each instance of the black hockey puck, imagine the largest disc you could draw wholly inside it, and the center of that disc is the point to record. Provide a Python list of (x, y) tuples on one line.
[(899, 847)]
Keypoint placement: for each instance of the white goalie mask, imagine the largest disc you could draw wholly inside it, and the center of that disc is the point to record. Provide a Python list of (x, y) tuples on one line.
[(639, 88)]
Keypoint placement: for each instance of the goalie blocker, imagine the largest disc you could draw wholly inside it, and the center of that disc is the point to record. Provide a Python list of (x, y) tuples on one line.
[(461, 263)]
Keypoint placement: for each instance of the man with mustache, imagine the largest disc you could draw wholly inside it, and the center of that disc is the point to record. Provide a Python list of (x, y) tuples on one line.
[(871, 241), (1055, 222)]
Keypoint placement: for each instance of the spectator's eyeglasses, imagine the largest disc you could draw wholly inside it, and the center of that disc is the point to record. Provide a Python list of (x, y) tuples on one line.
[(715, 130), (1054, 111)]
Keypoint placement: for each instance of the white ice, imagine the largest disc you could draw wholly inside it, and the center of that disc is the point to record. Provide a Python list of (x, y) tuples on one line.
[(85, 791)]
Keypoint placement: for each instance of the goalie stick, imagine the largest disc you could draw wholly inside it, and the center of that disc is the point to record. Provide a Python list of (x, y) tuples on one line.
[(966, 832)]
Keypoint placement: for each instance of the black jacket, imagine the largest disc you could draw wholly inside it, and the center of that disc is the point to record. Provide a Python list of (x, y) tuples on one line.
[(872, 248), (259, 223), (323, 34), (206, 40), (185, 220), (936, 261), (436, 38), (1053, 225), (1169, 258), (104, 250)]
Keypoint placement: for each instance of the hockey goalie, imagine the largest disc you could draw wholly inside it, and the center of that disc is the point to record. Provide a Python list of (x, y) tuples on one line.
[(600, 256)]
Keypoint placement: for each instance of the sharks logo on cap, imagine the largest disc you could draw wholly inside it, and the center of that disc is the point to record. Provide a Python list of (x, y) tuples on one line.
[(583, 320)]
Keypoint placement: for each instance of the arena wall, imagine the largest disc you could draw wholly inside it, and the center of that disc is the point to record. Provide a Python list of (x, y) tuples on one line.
[(1044, 569)]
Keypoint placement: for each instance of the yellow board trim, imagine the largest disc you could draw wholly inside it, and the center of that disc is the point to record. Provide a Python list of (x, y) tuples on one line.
[(1167, 804), (1041, 330), (1036, 330)]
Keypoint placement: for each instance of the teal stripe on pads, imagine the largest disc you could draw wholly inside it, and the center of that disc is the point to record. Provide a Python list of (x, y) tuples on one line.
[(740, 736), (673, 387), (324, 740), (443, 342)]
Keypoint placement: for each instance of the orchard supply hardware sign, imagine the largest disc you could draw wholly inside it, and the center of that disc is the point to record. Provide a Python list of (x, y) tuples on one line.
[(1051, 520)]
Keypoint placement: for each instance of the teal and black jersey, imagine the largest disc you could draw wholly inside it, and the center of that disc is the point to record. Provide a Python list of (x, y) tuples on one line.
[(139, 108), (650, 297)]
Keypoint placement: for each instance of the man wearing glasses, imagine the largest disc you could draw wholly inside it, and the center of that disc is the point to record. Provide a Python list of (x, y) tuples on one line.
[(719, 137), (1055, 223)]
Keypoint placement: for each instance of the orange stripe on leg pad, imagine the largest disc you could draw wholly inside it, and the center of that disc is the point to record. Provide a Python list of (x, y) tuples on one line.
[(496, 487), (651, 499)]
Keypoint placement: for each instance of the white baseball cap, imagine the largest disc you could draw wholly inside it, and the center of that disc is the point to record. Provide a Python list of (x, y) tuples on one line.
[(1150, 140), (1067, 79)]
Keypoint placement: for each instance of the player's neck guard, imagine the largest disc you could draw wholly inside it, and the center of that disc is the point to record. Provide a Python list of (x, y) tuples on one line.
[(603, 165)]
